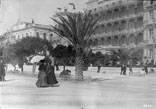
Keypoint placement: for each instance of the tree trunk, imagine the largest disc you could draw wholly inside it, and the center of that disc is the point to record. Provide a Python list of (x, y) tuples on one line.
[(79, 66), (14, 68), (64, 67), (22, 68)]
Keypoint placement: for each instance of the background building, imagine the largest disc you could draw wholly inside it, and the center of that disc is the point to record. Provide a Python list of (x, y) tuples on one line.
[(22, 29), (124, 24)]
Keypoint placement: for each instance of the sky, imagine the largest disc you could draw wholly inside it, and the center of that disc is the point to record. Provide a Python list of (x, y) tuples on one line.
[(38, 10)]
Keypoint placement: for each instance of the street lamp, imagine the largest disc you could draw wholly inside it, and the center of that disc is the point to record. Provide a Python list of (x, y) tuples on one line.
[(73, 5)]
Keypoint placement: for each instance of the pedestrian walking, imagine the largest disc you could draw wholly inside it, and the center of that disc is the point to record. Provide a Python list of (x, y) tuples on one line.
[(130, 70), (51, 78), (146, 68), (122, 66), (99, 66), (2, 71), (124, 69), (57, 67), (42, 76)]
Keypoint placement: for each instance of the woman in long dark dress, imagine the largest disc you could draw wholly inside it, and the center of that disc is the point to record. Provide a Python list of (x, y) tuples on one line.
[(42, 76), (51, 78)]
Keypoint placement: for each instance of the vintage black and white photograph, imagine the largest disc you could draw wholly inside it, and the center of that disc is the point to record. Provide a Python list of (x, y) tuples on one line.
[(77, 54)]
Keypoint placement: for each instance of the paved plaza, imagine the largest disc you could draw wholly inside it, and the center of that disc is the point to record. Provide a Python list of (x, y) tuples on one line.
[(104, 91)]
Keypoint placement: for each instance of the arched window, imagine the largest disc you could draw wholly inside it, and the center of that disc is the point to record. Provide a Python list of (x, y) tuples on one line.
[(37, 34), (51, 36), (44, 35)]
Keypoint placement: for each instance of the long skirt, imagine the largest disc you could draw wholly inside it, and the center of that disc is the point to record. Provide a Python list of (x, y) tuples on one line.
[(51, 78), (42, 79)]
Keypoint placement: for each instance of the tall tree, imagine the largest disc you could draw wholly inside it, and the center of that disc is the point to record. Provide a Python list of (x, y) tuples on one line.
[(63, 54), (77, 28), (26, 47)]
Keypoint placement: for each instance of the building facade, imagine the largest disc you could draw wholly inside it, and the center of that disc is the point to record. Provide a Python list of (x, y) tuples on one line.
[(22, 29), (125, 24)]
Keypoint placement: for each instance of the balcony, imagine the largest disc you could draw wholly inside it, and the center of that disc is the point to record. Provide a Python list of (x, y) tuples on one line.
[(132, 15), (140, 14), (139, 29), (154, 20), (132, 30), (124, 17), (109, 20), (147, 4), (124, 31), (145, 22), (154, 41), (116, 32), (148, 22), (110, 33), (150, 41)]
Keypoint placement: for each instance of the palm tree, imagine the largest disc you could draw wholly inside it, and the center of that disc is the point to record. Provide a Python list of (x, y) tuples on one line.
[(77, 28)]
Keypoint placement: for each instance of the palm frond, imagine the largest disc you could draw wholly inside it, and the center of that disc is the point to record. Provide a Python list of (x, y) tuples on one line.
[(76, 27)]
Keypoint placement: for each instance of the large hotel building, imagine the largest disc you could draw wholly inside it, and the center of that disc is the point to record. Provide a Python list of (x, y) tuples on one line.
[(125, 24), (23, 29)]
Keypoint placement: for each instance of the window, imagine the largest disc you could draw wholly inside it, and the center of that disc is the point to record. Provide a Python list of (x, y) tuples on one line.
[(151, 2), (151, 53), (18, 37), (44, 35), (37, 34), (151, 14), (136, 10), (151, 33), (51, 36)]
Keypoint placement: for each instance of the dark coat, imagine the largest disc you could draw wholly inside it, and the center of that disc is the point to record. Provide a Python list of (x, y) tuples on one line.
[(42, 76), (2, 69), (51, 78)]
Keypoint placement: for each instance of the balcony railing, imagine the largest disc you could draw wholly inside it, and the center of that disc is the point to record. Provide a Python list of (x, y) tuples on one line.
[(140, 14), (145, 22), (110, 33), (123, 32), (150, 41), (131, 15), (154, 20), (150, 21), (154, 41), (132, 30), (139, 29)]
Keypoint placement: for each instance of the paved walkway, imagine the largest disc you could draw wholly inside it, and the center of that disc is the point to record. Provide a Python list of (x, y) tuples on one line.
[(105, 91)]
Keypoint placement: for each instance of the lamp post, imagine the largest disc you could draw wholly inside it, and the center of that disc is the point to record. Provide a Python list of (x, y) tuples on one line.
[(73, 5)]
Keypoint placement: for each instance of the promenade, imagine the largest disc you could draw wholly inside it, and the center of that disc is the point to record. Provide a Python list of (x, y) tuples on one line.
[(103, 91)]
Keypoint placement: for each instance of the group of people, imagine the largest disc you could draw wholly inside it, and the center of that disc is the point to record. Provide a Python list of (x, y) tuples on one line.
[(2, 71), (124, 69), (46, 75), (143, 71)]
